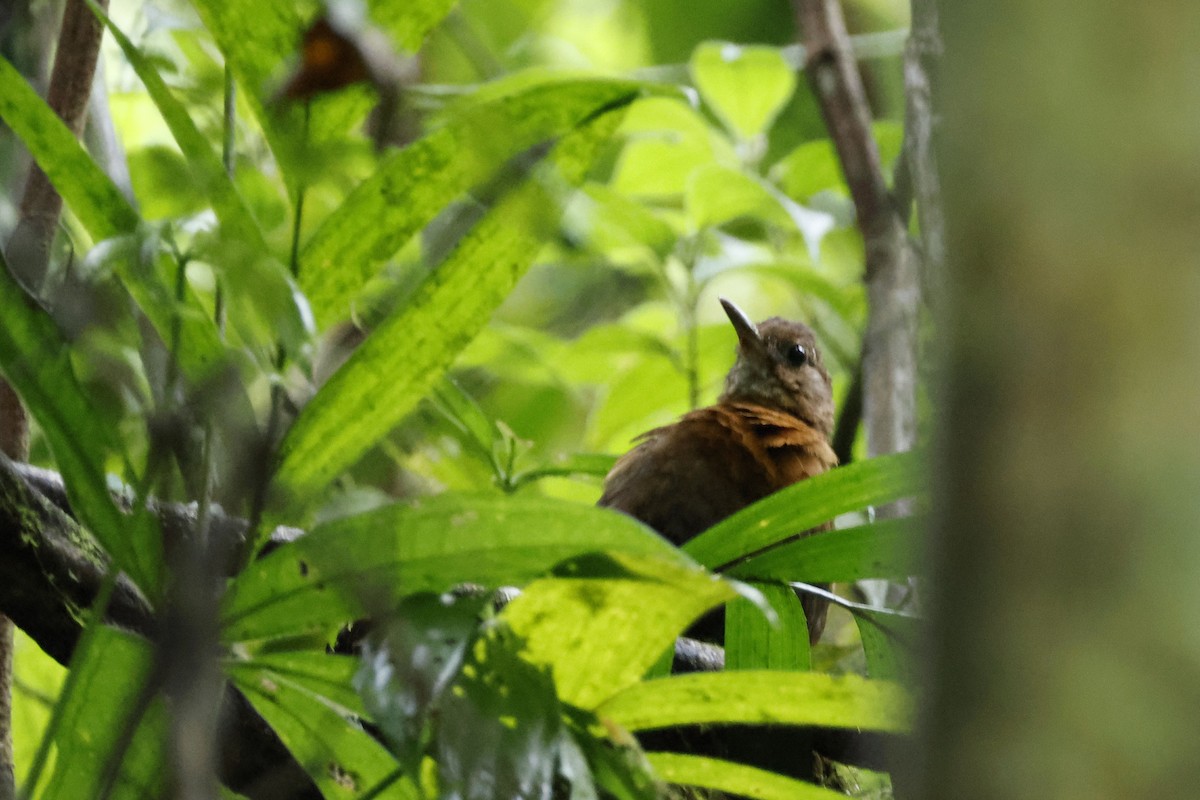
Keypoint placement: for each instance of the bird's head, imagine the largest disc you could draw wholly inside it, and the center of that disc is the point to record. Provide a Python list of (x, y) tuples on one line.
[(779, 366)]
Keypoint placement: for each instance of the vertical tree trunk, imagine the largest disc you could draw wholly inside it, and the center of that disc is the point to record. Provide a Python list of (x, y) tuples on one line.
[(1066, 646)]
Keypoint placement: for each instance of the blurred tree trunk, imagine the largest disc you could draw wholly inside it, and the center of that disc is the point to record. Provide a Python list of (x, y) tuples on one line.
[(1065, 649)]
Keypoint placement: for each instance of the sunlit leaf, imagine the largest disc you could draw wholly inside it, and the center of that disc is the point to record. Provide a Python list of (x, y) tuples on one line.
[(761, 697), (746, 86), (665, 141), (398, 363), (601, 622), (103, 211), (412, 186), (331, 576)]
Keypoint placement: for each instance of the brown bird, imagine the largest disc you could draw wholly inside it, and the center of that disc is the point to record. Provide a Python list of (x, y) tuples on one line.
[(769, 429)]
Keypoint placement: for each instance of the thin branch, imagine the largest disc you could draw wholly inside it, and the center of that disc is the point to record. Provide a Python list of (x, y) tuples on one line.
[(70, 88), (889, 344)]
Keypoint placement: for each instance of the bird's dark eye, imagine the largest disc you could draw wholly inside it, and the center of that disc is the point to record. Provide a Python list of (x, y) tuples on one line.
[(796, 355)]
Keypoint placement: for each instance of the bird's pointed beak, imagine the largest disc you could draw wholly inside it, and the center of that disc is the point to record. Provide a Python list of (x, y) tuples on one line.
[(747, 331)]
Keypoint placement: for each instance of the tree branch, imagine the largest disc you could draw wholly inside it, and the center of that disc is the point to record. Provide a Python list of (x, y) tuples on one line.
[(50, 572), (889, 345), (923, 50), (70, 88)]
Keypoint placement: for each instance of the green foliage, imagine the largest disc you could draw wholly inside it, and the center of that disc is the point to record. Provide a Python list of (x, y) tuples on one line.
[(535, 274)]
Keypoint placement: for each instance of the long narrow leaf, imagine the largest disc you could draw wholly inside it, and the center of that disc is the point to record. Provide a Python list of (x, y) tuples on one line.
[(84, 187), (601, 623), (36, 360), (104, 212), (885, 549), (761, 697), (806, 505), (112, 672), (204, 162), (343, 760), (332, 575), (739, 779), (752, 641), (413, 185), (394, 368)]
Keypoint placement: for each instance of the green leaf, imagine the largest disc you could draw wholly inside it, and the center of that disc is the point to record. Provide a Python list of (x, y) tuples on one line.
[(889, 641), (412, 186), (108, 678), (499, 729), (343, 760), (602, 621), (814, 166), (665, 141), (734, 778), (761, 698), (806, 505), (885, 549), (37, 362), (398, 363), (244, 256), (84, 187), (205, 165), (752, 641), (717, 194), (105, 213), (330, 576), (746, 86), (326, 675)]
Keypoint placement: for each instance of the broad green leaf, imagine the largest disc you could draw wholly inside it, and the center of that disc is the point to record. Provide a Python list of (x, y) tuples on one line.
[(91, 195), (334, 573), (412, 186), (814, 166), (746, 86), (752, 641), (343, 760), (885, 549), (37, 362), (602, 621), (761, 698), (734, 778), (398, 363), (717, 194), (665, 140), (808, 504), (327, 675), (108, 677)]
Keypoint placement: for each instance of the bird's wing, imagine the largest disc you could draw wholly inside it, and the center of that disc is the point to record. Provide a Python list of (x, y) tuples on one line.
[(796, 450), (684, 478)]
